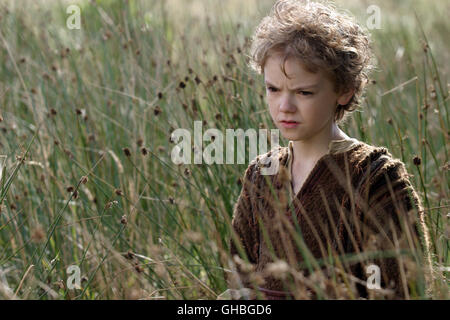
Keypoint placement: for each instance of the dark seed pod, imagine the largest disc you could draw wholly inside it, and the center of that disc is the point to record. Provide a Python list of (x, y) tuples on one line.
[(127, 152)]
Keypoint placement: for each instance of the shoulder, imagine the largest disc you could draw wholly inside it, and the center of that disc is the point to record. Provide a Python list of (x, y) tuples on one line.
[(384, 172), (378, 159)]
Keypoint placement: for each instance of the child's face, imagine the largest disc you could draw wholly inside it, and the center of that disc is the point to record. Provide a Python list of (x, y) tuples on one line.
[(307, 98)]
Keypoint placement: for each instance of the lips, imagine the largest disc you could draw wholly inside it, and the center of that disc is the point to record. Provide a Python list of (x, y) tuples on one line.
[(289, 121)]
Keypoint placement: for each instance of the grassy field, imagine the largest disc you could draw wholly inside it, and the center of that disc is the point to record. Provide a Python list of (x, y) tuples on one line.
[(86, 117)]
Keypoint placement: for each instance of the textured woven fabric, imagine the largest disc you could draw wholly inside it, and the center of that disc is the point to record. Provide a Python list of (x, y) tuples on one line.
[(356, 199), (334, 147)]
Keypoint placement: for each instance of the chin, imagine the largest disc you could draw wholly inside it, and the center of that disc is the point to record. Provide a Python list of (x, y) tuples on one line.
[(292, 136)]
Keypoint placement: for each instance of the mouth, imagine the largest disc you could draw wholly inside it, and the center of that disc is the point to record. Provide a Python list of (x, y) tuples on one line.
[(289, 124)]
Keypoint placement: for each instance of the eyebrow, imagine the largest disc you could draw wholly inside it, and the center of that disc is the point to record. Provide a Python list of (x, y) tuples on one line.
[(312, 86)]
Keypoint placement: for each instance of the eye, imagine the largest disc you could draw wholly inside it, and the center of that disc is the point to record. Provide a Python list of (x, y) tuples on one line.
[(305, 93), (272, 89)]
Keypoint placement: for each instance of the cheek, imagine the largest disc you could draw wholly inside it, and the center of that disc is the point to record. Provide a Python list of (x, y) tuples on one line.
[(273, 106), (317, 110)]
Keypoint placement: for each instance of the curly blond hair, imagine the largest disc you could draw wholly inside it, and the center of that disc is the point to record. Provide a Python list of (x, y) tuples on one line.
[(320, 36)]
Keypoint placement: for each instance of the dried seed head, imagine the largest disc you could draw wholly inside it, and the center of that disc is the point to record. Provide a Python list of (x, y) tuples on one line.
[(157, 110), (118, 192), (187, 172), (127, 152), (246, 267), (139, 142), (417, 161), (124, 220), (70, 189), (22, 60), (75, 194), (144, 151), (129, 255), (20, 158), (160, 95), (446, 167), (109, 204), (182, 85), (138, 268), (197, 80), (277, 269), (218, 116), (171, 200), (84, 179)]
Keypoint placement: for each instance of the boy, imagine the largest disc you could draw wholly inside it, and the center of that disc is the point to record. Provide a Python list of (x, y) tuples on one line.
[(340, 218)]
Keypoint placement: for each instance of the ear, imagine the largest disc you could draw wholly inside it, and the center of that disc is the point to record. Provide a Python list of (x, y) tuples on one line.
[(345, 97)]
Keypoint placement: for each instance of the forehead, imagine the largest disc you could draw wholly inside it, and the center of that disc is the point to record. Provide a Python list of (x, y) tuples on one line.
[(295, 69)]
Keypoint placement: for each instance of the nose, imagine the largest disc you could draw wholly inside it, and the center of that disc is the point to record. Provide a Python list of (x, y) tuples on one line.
[(287, 104)]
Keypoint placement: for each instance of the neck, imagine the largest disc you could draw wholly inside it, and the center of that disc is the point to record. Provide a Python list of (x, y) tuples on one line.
[(310, 150)]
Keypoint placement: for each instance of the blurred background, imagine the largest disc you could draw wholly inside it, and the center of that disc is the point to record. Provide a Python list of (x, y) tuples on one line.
[(86, 116)]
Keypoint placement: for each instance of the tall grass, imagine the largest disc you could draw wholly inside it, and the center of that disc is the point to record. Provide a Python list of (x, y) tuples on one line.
[(86, 117)]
